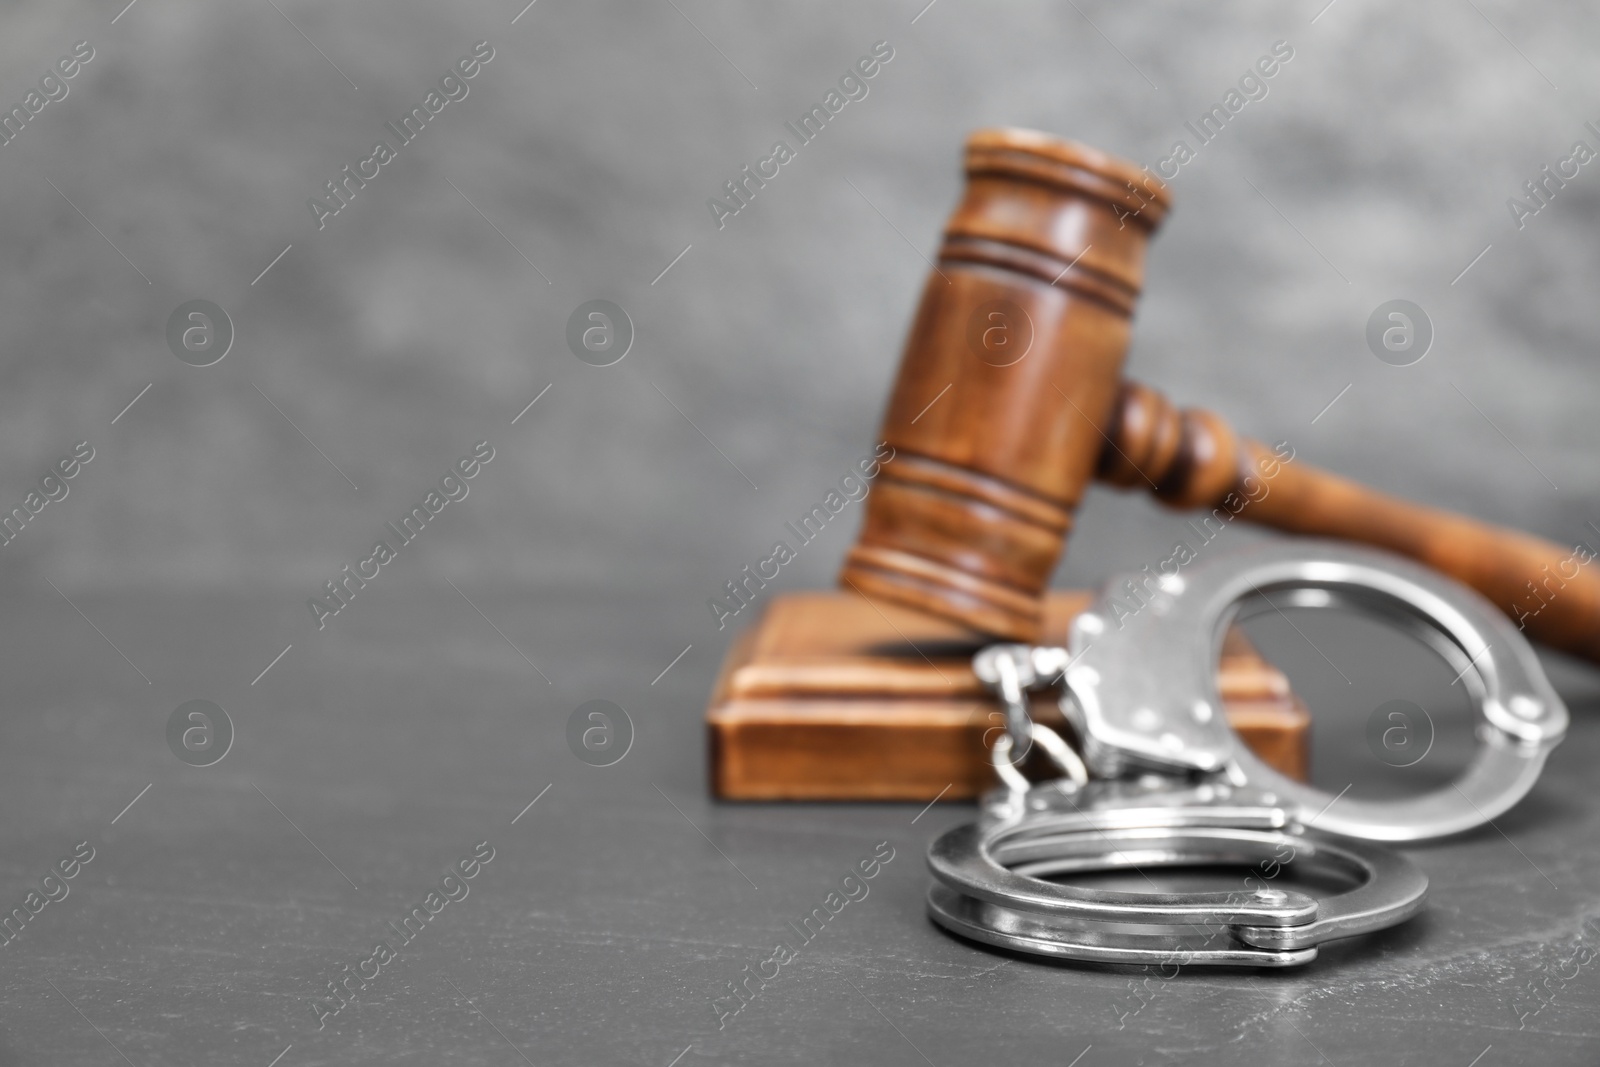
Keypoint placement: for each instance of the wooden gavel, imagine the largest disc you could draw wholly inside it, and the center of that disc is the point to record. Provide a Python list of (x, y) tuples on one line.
[(1010, 398)]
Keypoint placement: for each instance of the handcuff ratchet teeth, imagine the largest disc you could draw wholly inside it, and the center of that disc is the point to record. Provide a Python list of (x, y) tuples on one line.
[(1174, 786)]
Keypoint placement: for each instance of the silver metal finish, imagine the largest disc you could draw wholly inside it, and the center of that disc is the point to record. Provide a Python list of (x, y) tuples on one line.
[(1178, 788), (993, 873), (1144, 692)]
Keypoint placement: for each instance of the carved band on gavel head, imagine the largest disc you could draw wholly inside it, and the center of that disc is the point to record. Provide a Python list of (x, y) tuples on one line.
[(1024, 322), (1010, 399)]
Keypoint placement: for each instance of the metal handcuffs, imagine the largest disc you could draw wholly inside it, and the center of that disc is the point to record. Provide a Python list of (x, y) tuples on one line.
[(1175, 786)]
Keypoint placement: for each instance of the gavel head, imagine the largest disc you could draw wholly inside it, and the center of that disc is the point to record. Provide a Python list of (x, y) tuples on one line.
[(1007, 383)]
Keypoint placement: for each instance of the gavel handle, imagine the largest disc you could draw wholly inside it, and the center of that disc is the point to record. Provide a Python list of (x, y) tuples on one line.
[(1194, 459)]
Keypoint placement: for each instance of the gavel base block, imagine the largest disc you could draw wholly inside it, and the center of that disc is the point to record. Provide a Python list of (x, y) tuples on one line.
[(829, 696)]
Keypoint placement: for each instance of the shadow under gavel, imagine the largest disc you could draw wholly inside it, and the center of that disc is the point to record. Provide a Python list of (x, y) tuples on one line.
[(1010, 399)]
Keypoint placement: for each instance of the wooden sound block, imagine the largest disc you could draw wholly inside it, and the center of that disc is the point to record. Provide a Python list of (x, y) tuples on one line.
[(830, 696)]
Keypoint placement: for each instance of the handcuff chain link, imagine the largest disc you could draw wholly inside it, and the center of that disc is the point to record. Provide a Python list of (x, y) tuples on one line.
[(1011, 672)]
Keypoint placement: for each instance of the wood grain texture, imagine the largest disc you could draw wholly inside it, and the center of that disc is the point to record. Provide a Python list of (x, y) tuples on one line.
[(1010, 399), (1025, 315), (830, 697), (1191, 458)]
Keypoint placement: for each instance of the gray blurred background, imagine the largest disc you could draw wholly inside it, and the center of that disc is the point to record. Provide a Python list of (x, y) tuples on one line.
[(426, 316), (408, 328)]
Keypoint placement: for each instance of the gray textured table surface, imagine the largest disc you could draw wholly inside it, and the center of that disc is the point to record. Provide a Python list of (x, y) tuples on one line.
[(372, 756)]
